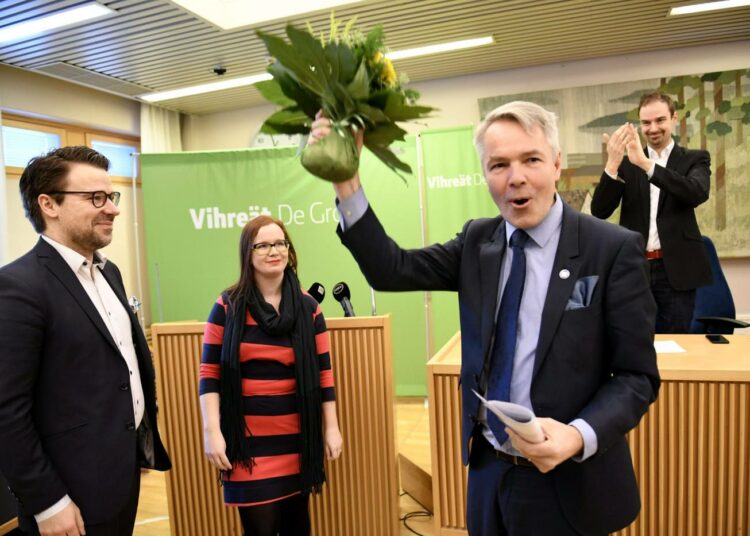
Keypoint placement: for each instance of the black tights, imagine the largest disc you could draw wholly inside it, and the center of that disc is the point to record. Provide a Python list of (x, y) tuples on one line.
[(287, 517)]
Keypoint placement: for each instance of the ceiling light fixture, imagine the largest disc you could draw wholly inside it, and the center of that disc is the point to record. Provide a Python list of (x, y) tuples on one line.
[(250, 80), (708, 6), (204, 88), (232, 14), (439, 48), (40, 25)]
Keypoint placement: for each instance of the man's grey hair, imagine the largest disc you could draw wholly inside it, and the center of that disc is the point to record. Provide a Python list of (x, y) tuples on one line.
[(526, 114)]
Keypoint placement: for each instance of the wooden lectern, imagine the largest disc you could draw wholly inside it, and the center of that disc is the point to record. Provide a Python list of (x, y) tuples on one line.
[(691, 451), (361, 494)]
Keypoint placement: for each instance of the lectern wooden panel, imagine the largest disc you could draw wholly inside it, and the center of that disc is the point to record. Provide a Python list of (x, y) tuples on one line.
[(691, 451), (361, 495)]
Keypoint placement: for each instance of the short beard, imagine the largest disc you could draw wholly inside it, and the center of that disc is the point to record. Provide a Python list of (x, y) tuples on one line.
[(90, 241)]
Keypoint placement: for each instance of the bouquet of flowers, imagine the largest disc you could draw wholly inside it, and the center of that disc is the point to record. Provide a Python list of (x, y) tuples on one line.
[(348, 76)]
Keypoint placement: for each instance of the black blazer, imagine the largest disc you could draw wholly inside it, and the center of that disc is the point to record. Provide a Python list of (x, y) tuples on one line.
[(596, 362), (684, 185), (66, 410)]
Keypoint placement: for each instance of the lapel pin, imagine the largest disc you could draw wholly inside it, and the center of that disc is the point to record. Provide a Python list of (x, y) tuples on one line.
[(564, 273), (135, 304)]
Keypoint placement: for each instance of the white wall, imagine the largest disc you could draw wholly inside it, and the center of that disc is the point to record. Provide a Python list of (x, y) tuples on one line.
[(48, 98), (225, 130), (457, 100)]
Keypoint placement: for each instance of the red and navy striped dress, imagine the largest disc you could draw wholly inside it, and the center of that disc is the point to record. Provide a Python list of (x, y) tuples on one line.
[(269, 392)]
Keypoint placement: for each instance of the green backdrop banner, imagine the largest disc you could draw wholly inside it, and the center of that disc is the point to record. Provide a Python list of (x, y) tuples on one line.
[(195, 205), (455, 192)]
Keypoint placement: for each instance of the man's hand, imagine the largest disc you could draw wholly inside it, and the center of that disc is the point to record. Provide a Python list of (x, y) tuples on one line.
[(616, 148), (561, 442), (67, 522), (321, 128), (635, 149)]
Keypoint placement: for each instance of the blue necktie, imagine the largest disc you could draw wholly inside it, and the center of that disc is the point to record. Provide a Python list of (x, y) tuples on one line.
[(504, 348)]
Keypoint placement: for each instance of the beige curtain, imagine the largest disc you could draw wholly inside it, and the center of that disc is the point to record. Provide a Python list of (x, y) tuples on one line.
[(160, 130)]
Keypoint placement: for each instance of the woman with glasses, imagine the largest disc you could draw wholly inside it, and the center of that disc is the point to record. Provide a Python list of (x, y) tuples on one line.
[(266, 388)]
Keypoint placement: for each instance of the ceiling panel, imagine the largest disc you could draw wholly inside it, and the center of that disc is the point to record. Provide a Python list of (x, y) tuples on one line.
[(157, 45)]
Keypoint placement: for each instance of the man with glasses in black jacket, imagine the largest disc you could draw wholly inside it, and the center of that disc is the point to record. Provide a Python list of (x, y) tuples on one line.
[(77, 390)]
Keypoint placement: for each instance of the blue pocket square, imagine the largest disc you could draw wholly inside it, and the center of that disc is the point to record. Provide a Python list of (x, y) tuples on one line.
[(582, 292)]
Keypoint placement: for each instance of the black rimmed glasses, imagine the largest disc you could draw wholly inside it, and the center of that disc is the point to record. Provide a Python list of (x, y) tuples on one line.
[(98, 198), (264, 248)]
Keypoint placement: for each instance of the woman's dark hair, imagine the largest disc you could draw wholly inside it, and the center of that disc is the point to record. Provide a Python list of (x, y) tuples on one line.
[(47, 173), (247, 273)]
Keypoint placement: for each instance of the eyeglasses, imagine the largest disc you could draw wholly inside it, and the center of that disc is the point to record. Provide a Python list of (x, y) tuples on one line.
[(264, 248), (98, 198)]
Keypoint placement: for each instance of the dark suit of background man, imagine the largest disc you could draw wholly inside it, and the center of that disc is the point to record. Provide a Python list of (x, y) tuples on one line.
[(659, 189), (77, 391), (582, 356)]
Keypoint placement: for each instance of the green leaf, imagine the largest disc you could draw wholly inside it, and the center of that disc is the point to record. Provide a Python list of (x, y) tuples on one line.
[(271, 91), (724, 106), (384, 134), (692, 102), (386, 156), (337, 102), (294, 61), (673, 85), (718, 128), (359, 88), (311, 50), (371, 114), (342, 61), (378, 99), (397, 109), (703, 113), (306, 99), (735, 114), (710, 77), (290, 120), (726, 77)]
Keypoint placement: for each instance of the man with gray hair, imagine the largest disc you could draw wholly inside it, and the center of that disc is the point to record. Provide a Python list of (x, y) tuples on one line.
[(556, 315)]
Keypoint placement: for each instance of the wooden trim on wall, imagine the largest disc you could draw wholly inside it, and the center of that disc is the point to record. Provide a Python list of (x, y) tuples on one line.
[(70, 135)]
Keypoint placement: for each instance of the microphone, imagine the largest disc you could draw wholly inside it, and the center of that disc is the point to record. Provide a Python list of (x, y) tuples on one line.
[(317, 291), (342, 295)]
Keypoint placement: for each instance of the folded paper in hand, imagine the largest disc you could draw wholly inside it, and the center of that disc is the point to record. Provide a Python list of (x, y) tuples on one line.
[(516, 417)]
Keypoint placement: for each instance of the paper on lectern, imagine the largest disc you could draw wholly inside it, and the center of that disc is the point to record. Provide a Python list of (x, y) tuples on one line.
[(519, 418)]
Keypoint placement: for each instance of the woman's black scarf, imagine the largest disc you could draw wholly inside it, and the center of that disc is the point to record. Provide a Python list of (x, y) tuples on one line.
[(296, 320)]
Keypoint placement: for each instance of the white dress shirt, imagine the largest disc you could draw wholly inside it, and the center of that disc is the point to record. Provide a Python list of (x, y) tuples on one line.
[(653, 243)]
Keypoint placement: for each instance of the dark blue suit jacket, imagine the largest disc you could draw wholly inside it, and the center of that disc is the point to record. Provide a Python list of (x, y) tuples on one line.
[(596, 363), (66, 410)]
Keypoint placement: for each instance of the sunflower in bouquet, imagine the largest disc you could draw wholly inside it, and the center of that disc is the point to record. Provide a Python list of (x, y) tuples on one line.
[(349, 77)]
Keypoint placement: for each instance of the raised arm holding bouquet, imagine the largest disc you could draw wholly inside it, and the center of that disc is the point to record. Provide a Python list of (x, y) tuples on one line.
[(348, 76)]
